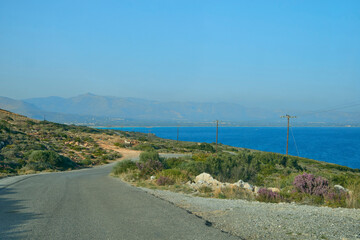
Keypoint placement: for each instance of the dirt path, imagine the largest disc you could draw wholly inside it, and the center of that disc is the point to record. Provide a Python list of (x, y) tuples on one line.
[(127, 153)]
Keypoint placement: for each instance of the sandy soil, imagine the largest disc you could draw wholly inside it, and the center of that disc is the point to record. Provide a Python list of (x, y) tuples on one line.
[(109, 145)]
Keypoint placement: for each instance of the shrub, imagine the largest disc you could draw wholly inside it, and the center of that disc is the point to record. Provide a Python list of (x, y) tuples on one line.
[(111, 156), (145, 147), (205, 189), (200, 156), (353, 200), (204, 147), (40, 160), (121, 145), (233, 193), (150, 167), (294, 164), (175, 174), (123, 166), (163, 180), (86, 161), (149, 155), (336, 198), (266, 195), (307, 183), (174, 162), (194, 168)]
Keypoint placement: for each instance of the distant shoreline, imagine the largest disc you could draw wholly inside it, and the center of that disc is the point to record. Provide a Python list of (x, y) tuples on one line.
[(150, 126)]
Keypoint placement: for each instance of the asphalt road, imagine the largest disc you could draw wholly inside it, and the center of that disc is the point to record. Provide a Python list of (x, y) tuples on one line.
[(89, 204)]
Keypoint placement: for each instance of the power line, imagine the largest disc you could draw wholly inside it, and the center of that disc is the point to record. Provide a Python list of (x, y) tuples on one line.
[(334, 108), (297, 150)]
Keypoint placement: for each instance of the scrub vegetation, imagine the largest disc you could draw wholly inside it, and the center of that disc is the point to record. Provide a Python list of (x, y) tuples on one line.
[(28, 146), (297, 179)]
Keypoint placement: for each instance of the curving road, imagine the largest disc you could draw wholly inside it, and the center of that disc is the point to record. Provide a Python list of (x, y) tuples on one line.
[(89, 204)]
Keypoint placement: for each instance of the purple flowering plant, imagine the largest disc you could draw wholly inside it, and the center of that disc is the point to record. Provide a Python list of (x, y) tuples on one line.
[(149, 167), (163, 180), (266, 195), (309, 184)]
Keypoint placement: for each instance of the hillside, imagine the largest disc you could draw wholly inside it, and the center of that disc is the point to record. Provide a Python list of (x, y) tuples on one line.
[(93, 110), (28, 145), (133, 108)]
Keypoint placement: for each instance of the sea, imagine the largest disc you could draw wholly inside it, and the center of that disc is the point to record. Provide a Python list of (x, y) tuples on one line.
[(339, 145)]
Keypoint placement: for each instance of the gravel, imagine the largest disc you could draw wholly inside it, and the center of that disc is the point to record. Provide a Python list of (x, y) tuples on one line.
[(257, 220)]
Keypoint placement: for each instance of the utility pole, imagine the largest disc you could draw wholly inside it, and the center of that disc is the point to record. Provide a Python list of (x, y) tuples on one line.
[(217, 134), (288, 126)]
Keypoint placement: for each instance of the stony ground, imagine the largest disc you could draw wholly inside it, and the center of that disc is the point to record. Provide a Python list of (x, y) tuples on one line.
[(256, 220)]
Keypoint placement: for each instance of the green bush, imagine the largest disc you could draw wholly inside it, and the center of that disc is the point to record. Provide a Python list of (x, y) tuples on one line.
[(145, 147), (86, 162), (205, 189), (174, 162), (203, 146), (175, 174), (111, 156), (149, 155), (120, 145), (163, 180), (123, 166), (45, 159), (200, 156), (193, 168)]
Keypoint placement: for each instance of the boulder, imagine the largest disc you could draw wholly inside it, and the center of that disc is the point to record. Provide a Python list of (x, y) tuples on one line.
[(205, 179), (340, 188), (248, 186), (239, 183)]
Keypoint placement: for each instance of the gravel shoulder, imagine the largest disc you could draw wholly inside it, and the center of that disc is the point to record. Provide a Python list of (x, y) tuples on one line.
[(257, 220)]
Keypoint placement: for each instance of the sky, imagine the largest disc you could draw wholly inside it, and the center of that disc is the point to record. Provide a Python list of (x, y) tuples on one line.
[(274, 54)]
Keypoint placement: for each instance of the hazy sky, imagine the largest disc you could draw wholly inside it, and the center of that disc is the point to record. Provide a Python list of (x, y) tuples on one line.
[(295, 54)]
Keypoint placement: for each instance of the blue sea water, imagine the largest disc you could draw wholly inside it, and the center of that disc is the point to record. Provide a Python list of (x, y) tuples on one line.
[(334, 145)]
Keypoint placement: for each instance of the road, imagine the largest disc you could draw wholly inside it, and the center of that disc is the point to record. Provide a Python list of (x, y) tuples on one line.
[(89, 204)]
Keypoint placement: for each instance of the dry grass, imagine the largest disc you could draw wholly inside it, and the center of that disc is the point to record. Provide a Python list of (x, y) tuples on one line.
[(234, 192), (353, 201)]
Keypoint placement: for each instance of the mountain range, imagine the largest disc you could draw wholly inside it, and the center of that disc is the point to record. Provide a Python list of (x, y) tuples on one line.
[(91, 109)]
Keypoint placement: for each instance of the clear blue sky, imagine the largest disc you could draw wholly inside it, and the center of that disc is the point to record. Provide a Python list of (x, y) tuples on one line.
[(276, 54)]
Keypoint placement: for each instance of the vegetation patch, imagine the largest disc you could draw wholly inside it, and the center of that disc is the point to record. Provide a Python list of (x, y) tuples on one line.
[(277, 178)]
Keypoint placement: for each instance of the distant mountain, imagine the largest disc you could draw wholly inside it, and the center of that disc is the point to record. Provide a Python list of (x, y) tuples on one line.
[(90, 104), (20, 107), (90, 109), (32, 111)]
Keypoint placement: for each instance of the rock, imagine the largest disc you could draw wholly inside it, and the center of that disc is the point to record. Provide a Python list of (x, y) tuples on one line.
[(205, 179), (248, 186), (256, 189), (239, 183), (152, 178), (340, 188)]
